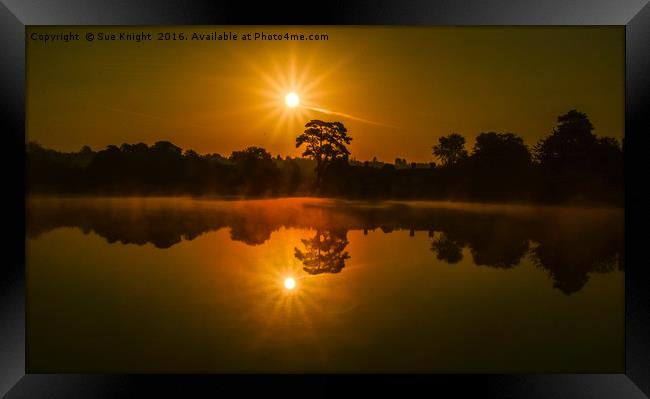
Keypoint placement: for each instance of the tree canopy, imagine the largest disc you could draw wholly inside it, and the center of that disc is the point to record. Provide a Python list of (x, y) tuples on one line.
[(450, 149), (324, 142)]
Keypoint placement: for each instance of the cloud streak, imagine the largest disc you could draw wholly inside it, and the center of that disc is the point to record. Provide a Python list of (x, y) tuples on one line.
[(348, 116)]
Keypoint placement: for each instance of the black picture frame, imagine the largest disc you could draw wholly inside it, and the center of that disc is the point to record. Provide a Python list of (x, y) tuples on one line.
[(15, 15)]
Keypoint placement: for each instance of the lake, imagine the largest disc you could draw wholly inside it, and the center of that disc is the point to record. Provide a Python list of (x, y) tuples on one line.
[(317, 285)]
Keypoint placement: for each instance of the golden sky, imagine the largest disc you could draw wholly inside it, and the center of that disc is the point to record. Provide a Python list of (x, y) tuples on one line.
[(396, 89)]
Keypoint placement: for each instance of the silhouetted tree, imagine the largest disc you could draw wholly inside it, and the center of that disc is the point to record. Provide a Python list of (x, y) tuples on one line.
[(574, 161), (255, 170), (191, 154), (450, 149), (324, 142), (569, 143), (166, 146), (501, 165), (501, 149), (401, 163), (291, 177)]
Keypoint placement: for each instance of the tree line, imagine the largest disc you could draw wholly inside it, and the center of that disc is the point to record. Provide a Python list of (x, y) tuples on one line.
[(571, 164)]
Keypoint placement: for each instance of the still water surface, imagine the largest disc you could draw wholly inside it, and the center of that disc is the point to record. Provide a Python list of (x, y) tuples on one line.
[(312, 285)]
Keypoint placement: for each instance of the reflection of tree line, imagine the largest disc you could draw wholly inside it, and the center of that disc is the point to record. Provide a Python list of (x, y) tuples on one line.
[(567, 261), (567, 244)]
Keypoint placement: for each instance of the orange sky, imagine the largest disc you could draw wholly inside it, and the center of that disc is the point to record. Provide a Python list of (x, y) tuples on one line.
[(397, 89)]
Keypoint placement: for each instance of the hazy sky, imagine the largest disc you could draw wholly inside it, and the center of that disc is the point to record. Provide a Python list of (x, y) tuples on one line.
[(396, 89)]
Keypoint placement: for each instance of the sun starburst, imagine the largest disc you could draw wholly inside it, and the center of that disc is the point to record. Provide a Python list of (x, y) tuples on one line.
[(290, 86)]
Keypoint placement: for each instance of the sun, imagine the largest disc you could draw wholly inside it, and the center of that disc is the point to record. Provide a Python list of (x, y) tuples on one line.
[(289, 283), (292, 100), (286, 86)]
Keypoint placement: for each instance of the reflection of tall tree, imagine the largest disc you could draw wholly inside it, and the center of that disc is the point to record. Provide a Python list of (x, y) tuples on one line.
[(569, 261), (250, 226), (502, 252), (447, 249), (251, 234), (325, 253), (492, 241), (568, 248)]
